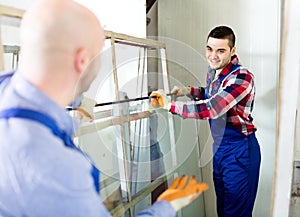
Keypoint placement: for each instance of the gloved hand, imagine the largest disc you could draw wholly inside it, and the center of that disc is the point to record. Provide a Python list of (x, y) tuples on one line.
[(159, 98), (85, 109), (180, 194), (181, 91)]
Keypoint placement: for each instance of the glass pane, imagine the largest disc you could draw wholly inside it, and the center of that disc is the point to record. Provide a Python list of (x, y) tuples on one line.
[(132, 147)]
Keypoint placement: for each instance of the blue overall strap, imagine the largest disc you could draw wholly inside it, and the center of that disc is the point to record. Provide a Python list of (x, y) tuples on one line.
[(220, 81), (5, 76), (233, 69), (51, 124)]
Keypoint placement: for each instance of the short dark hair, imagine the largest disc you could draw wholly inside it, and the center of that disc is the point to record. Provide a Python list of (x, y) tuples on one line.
[(223, 32)]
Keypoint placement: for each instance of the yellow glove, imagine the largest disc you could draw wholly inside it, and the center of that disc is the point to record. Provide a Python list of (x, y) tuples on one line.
[(86, 109), (160, 99), (181, 91), (180, 194)]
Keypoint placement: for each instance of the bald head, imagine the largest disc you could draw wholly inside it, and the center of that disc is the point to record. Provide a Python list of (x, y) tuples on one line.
[(59, 40), (59, 25)]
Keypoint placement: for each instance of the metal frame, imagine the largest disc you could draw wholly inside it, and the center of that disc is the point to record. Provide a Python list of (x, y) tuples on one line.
[(121, 119), (14, 50), (135, 41)]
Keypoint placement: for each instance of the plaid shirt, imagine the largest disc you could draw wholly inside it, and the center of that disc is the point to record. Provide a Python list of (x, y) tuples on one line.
[(231, 95)]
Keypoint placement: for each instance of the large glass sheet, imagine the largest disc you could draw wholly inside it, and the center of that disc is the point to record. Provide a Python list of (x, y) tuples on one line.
[(131, 146)]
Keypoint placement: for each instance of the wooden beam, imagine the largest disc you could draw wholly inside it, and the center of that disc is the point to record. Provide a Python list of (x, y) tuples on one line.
[(123, 38), (121, 208), (99, 125), (11, 12)]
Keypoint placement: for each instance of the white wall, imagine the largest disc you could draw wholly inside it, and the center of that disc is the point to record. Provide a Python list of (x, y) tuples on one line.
[(257, 27), (288, 96), (123, 16), (10, 28), (115, 15)]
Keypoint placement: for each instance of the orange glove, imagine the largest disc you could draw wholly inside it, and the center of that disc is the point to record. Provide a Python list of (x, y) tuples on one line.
[(180, 194), (160, 99)]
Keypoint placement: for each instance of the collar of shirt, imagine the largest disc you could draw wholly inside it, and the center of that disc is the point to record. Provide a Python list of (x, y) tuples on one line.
[(33, 98), (217, 73), (227, 69), (213, 75)]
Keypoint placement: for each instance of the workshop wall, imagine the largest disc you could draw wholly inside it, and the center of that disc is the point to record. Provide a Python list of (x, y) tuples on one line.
[(257, 27)]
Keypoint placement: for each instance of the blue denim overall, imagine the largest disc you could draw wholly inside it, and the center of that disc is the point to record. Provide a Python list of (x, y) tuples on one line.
[(236, 164)]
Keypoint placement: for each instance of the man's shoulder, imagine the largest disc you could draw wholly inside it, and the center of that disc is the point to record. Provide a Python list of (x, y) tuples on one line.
[(240, 76), (242, 71), (40, 150)]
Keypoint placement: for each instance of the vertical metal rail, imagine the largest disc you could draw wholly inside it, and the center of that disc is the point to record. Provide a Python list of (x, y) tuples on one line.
[(125, 160), (167, 86), (14, 50), (166, 83), (139, 124), (136, 140)]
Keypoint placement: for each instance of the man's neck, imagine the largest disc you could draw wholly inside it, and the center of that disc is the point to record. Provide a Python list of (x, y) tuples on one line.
[(218, 71)]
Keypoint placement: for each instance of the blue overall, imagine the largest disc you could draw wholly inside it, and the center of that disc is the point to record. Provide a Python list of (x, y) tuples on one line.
[(50, 123), (236, 165)]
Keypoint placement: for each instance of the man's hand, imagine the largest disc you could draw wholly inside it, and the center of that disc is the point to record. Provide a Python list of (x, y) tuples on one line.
[(85, 109), (181, 91), (159, 99), (180, 194)]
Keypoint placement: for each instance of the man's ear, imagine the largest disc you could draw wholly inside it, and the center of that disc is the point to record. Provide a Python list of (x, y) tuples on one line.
[(81, 60), (233, 50)]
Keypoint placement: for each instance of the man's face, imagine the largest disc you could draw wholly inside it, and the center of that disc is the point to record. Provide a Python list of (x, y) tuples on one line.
[(91, 71), (218, 53)]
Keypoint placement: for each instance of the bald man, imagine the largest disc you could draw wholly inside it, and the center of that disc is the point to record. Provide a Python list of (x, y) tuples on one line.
[(42, 173)]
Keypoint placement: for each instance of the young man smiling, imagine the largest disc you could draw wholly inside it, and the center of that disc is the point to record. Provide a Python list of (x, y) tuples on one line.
[(42, 172), (227, 102)]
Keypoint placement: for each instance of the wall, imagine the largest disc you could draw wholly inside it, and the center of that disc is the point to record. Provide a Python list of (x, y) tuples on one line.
[(126, 17), (297, 131), (288, 96), (187, 147), (186, 24), (115, 15), (9, 28)]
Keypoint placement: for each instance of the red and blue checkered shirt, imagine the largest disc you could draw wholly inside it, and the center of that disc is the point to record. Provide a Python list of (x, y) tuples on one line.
[(231, 95)]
